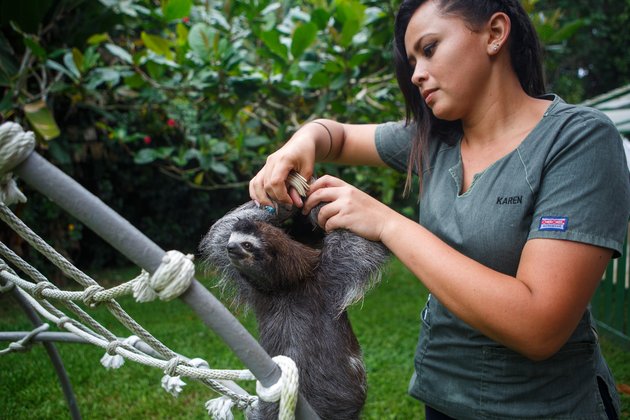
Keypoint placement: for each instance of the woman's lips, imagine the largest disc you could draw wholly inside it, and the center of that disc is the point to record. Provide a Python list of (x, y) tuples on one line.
[(428, 95)]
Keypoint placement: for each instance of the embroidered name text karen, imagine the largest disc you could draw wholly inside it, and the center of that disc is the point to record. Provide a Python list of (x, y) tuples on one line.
[(517, 199)]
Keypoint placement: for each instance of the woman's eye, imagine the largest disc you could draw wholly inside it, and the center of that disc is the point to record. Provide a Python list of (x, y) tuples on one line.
[(429, 50)]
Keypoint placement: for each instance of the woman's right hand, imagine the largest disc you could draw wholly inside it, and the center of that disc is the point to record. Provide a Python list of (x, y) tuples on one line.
[(269, 186)]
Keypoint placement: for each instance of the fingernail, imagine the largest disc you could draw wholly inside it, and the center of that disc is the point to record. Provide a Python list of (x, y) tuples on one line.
[(257, 203)]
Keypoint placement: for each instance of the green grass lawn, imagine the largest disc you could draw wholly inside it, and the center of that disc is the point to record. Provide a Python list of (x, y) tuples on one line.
[(386, 323)]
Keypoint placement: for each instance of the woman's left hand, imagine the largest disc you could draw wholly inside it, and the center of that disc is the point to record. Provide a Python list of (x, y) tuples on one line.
[(348, 208)]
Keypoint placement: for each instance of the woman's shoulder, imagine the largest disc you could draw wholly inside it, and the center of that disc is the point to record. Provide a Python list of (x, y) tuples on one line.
[(566, 112)]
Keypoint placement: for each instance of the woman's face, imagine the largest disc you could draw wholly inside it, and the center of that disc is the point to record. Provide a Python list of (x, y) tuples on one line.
[(450, 61)]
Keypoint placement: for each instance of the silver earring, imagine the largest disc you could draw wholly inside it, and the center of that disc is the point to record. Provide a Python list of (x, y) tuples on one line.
[(495, 47)]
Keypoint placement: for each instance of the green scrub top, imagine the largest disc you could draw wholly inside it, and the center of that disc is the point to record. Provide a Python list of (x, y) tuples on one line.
[(568, 179)]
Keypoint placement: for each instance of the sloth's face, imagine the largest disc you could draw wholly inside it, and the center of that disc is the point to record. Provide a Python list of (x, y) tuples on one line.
[(244, 249), (247, 254)]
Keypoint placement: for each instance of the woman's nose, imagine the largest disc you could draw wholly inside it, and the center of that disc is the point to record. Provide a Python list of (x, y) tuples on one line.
[(419, 75)]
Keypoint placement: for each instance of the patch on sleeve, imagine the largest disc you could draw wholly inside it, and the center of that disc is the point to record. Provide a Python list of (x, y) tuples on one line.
[(558, 224)]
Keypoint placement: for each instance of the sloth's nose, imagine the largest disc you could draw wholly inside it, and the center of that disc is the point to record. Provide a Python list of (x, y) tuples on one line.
[(234, 249)]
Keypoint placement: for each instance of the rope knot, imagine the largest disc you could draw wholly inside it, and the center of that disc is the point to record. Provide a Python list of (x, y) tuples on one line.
[(89, 295), (171, 382), (15, 146), (62, 321), (285, 390), (112, 346), (39, 288), (171, 279), (171, 366), (111, 359)]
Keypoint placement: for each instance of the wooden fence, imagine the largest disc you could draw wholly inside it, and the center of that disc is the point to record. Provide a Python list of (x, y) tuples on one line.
[(612, 299)]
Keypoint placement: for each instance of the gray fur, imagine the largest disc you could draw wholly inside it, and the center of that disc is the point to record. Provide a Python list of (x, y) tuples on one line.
[(299, 296)]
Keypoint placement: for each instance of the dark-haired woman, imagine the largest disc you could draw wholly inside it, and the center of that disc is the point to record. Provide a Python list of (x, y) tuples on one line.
[(524, 200)]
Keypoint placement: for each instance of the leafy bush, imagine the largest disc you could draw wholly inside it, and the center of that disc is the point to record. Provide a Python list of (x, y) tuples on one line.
[(167, 109), (197, 92)]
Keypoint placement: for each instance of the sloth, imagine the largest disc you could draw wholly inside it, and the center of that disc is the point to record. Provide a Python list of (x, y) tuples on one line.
[(299, 295)]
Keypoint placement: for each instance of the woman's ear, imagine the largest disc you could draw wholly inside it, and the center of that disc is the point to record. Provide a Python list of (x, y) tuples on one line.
[(499, 27)]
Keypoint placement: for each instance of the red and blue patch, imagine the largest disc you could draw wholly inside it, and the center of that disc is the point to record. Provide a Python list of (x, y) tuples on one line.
[(557, 224)]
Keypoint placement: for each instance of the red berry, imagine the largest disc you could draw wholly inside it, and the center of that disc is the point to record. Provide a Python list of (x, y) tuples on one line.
[(147, 139)]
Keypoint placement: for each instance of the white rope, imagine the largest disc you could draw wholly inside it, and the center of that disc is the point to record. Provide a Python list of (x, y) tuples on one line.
[(220, 408), (25, 342), (15, 146), (171, 279), (285, 390)]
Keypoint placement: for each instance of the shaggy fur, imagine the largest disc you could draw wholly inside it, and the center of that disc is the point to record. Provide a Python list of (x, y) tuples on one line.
[(299, 295)]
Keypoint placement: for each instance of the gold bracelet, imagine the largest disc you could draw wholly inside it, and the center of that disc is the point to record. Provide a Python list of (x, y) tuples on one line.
[(329, 137)]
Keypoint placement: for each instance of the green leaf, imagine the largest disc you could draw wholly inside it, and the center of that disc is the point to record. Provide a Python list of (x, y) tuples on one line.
[(545, 32), (119, 52), (200, 39), (6, 103), (349, 10), (102, 75), (339, 82), (198, 179), (349, 30), (98, 39), (42, 120), (320, 18), (147, 155), (351, 14), (319, 79), (77, 57), (567, 31), (33, 45), (272, 40), (219, 148), (8, 63), (68, 60), (56, 66), (176, 9), (157, 44), (219, 168), (255, 141), (155, 70), (360, 58), (303, 37), (144, 156), (182, 34), (134, 81), (90, 57)]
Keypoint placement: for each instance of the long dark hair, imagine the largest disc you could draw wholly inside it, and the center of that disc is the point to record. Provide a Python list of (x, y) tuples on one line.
[(525, 54)]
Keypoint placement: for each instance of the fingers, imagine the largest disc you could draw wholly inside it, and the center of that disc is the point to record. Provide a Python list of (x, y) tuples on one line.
[(295, 198), (324, 189), (270, 186)]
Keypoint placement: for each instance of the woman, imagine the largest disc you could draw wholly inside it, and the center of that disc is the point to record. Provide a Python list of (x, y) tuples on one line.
[(524, 200)]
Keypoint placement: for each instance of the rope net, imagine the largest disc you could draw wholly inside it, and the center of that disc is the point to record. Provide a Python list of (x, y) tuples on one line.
[(170, 279)]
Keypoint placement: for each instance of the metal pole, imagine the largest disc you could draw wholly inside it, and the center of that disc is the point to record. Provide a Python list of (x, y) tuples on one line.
[(129, 241), (59, 337)]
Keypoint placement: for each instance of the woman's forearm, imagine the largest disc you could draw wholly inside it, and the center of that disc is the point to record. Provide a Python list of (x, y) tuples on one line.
[(533, 312)]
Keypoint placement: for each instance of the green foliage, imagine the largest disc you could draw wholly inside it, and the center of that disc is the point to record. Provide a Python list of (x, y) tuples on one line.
[(206, 90), (201, 92), (595, 59)]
